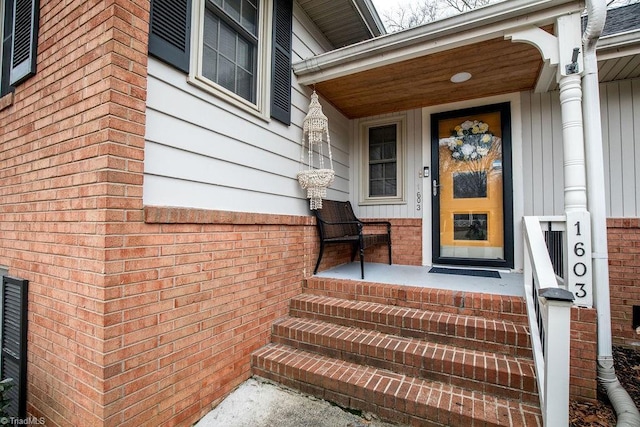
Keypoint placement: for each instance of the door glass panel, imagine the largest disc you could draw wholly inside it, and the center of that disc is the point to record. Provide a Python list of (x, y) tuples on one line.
[(470, 187)]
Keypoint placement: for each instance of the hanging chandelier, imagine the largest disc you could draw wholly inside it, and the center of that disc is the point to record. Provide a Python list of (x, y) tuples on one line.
[(315, 133)]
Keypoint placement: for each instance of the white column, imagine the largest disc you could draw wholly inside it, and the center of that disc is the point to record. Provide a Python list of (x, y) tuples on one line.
[(575, 184), (579, 280)]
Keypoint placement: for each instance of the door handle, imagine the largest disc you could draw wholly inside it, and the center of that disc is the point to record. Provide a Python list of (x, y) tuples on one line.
[(435, 186)]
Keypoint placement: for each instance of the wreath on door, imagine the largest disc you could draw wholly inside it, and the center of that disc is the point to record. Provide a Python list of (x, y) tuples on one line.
[(470, 140)]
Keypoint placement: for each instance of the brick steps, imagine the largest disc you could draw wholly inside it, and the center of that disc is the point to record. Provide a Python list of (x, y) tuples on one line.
[(392, 396), (502, 375), (499, 307), (460, 330), (424, 357)]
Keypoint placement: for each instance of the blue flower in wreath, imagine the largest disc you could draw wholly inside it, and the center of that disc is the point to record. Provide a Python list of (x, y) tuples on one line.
[(471, 140)]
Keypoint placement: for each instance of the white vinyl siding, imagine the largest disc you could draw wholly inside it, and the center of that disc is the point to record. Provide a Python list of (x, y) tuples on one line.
[(411, 160), (203, 152), (542, 154), (543, 159)]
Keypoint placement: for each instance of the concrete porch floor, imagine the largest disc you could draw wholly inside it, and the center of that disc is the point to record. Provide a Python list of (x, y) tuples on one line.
[(511, 284)]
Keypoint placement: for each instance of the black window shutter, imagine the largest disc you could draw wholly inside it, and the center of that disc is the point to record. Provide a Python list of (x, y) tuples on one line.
[(281, 61), (170, 32), (25, 40), (7, 37), (14, 342)]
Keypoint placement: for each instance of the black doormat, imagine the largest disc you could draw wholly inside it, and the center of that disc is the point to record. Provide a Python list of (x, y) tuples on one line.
[(464, 272)]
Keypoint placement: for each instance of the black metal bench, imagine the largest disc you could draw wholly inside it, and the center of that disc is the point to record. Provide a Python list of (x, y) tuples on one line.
[(337, 223)]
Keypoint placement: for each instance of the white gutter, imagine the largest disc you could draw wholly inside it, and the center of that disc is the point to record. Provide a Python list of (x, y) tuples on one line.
[(480, 24), (370, 17), (617, 45), (624, 406)]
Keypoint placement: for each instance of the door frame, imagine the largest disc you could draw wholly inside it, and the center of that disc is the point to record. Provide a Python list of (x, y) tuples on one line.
[(504, 108)]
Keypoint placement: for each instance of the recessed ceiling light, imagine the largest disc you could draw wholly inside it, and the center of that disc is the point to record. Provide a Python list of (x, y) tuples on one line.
[(460, 77)]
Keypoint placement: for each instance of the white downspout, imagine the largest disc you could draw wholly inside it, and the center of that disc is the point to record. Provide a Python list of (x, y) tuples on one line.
[(626, 411)]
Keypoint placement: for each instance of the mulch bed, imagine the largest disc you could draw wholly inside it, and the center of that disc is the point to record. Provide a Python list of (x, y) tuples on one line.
[(601, 414)]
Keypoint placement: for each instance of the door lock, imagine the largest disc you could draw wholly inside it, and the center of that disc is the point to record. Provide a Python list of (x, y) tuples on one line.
[(435, 187)]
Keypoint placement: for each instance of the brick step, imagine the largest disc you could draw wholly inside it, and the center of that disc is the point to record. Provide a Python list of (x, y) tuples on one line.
[(489, 306), (392, 396), (497, 374), (474, 332)]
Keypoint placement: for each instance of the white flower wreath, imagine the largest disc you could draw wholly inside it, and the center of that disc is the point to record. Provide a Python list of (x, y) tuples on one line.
[(470, 140)]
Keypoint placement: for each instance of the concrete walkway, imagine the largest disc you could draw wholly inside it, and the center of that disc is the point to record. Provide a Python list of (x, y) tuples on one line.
[(259, 403)]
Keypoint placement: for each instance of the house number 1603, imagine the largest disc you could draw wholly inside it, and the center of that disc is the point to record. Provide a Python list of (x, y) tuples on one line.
[(579, 241)]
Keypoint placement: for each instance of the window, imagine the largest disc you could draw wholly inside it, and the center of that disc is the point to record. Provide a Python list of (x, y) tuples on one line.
[(237, 43), (231, 59), (382, 161), (230, 46), (19, 31)]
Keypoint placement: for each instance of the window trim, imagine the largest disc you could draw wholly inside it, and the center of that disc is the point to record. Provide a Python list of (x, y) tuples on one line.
[(263, 69), (401, 148)]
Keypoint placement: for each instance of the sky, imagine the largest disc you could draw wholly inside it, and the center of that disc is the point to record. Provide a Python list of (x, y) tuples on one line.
[(387, 5)]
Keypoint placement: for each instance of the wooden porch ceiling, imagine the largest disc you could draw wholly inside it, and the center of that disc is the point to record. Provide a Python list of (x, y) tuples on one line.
[(497, 66)]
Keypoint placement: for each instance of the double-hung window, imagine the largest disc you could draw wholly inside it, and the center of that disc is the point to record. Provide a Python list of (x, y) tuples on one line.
[(382, 161), (239, 50), (230, 46)]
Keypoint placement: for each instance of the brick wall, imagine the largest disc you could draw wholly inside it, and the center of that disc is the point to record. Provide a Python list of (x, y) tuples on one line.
[(624, 277), (198, 291), (583, 353), (71, 151)]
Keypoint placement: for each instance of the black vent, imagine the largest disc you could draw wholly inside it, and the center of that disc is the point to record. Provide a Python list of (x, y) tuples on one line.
[(281, 61), (170, 32), (14, 343)]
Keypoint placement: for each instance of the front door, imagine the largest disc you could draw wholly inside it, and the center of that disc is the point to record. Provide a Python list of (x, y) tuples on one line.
[(471, 187)]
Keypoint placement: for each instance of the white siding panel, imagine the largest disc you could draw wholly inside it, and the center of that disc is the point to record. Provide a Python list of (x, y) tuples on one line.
[(621, 139), (204, 152), (635, 94), (628, 158), (614, 138), (527, 154), (543, 157), (211, 197)]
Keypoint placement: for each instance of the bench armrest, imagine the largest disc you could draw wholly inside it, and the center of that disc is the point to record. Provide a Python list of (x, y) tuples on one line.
[(387, 223), (356, 222)]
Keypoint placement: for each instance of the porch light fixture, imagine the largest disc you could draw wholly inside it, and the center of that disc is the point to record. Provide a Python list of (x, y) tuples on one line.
[(460, 77), (315, 133)]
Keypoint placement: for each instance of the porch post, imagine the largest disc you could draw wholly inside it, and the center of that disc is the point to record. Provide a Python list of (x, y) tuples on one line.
[(575, 185), (575, 192), (579, 280)]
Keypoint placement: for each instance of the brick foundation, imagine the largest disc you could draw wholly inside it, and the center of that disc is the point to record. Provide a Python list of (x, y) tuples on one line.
[(624, 277), (583, 378)]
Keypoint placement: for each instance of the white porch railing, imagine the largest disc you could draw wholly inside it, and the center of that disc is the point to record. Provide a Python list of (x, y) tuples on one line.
[(549, 304)]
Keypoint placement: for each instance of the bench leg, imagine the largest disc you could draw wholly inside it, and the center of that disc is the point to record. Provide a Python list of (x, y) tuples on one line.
[(354, 251), (389, 246), (319, 257), (361, 261)]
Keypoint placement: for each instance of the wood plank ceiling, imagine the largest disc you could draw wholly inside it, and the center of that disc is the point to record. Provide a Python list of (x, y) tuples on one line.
[(497, 66)]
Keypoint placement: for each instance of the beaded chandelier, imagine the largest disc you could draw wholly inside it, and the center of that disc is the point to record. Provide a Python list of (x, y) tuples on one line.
[(315, 133)]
